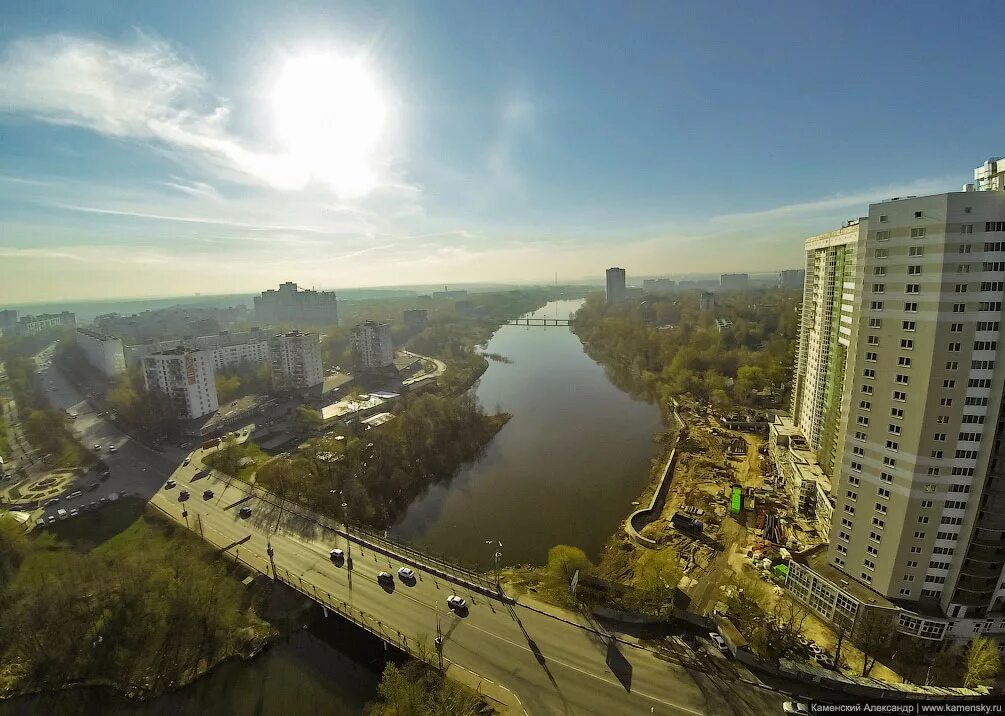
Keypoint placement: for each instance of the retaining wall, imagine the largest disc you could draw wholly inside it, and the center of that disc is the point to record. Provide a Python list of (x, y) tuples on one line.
[(638, 520)]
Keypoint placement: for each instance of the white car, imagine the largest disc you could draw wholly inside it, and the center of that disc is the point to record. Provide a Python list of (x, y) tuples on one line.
[(74, 512), (719, 642), (795, 707), (111, 448), (170, 483), (73, 495), (406, 574), (336, 555), (455, 602), (97, 448), (186, 461)]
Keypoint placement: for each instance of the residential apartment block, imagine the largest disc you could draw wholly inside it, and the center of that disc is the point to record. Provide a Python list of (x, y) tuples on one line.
[(187, 377), (291, 305), (371, 345), (615, 285), (918, 471), (296, 361), (791, 278), (103, 352), (226, 348), (734, 281)]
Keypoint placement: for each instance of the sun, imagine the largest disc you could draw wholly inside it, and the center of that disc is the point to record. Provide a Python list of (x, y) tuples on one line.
[(331, 115)]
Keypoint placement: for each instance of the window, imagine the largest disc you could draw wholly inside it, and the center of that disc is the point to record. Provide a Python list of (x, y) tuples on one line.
[(959, 308), (970, 437), (916, 251), (879, 271), (967, 228), (908, 325), (979, 383), (892, 445), (939, 437), (865, 405), (949, 384), (973, 401), (907, 344), (993, 266), (952, 365), (884, 493), (982, 365), (942, 419), (863, 420), (933, 471), (871, 357), (936, 454), (868, 564), (876, 305), (954, 348), (897, 413), (882, 218), (849, 510), (880, 508), (886, 477), (882, 253), (964, 248), (902, 378), (918, 232), (871, 550), (866, 578), (995, 306), (985, 345), (994, 226), (961, 288), (987, 325), (876, 522), (846, 522), (911, 307), (917, 215), (966, 455), (923, 520), (891, 461), (878, 287), (913, 270), (945, 402), (992, 285), (893, 429), (905, 592), (919, 535), (857, 467), (963, 268), (872, 340), (867, 389), (973, 419), (869, 373), (875, 323), (913, 288), (842, 549), (859, 435), (882, 236), (851, 495), (899, 395), (904, 361)]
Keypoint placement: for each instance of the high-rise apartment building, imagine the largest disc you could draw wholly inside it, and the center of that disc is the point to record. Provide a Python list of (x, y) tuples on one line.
[(791, 278), (371, 345), (291, 305), (415, 319), (227, 348), (919, 463), (734, 281), (615, 285), (829, 306), (103, 352), (296, 360), (33, 325), (187, 377)]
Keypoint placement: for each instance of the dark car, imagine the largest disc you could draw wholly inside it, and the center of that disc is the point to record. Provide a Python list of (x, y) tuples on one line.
[(183, 495), (245, 512), (207, 494)]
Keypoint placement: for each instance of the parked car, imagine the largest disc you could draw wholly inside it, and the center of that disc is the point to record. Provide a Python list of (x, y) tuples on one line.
[(406, 574), (337, 556), (74, 512), (97, 448), (111, 448), (385, 578), (73, 495), (719, 642), (186, 461), (245, 512), (182, 496), (53, 501), (51, 519), (457, 603), (207, 494), (169, 484)]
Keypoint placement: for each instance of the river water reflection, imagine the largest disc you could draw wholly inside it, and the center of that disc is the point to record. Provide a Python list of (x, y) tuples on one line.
[(564, 470)]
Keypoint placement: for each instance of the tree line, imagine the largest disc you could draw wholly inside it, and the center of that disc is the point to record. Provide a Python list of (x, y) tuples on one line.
[(376, 473), (665, 345)]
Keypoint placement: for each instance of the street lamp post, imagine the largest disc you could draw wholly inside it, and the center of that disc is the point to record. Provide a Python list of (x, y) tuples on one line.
[(496, 557), (348, 542)]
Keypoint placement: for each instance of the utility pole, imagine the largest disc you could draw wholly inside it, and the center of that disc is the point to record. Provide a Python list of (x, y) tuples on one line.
[(496, 557), (438, 641)]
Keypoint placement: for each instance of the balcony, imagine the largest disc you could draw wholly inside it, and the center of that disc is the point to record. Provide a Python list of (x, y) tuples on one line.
[(986, 553), (981, 570)]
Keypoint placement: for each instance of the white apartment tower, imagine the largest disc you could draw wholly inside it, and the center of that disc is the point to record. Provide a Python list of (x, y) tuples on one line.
[(296, 360), (372, 346), (919, 468), (187, 377), (103, 352), (829, 308)]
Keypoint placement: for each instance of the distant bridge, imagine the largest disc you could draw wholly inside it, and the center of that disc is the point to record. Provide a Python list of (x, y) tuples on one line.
[(539, 322)]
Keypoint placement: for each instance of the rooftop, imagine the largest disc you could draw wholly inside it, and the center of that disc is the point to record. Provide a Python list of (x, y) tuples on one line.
[(816, 560)]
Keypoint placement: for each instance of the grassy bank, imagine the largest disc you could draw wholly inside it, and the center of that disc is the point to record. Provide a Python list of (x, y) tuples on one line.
[(75, 611)]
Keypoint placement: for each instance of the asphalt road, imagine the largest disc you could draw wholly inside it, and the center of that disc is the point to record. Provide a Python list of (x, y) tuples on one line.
[(552, 665)]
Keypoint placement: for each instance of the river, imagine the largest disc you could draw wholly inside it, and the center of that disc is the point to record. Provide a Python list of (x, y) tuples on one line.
[(564, 470)]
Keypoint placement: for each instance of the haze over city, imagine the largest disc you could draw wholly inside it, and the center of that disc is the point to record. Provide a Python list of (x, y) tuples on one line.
[(175, 149)]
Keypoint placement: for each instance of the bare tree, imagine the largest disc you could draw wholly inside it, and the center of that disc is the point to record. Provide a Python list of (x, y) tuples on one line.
[(873, 635), (983, 662)]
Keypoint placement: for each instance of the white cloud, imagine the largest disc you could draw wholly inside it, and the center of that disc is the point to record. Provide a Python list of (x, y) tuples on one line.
[(199, 189), (216, 221), (858, 202)]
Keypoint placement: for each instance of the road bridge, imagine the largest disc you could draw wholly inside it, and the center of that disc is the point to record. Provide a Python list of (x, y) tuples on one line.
[(532, 657), (539, 322)]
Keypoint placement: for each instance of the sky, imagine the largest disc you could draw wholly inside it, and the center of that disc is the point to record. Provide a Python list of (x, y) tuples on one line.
[(161, 149)]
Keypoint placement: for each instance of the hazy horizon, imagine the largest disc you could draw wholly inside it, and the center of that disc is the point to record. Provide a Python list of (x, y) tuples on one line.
[(170, 150)]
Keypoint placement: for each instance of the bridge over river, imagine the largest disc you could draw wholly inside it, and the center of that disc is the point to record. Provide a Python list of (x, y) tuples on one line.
[(525, 655)]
